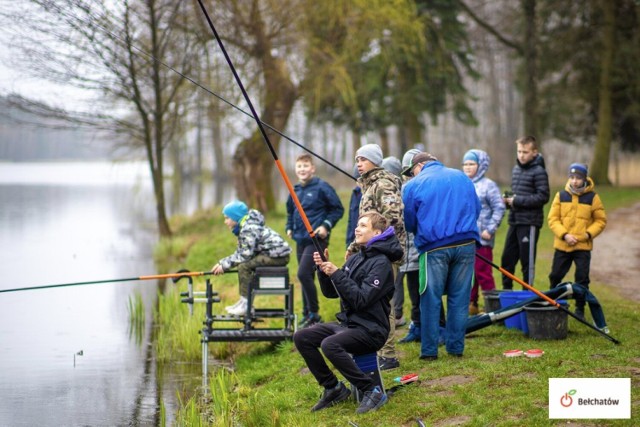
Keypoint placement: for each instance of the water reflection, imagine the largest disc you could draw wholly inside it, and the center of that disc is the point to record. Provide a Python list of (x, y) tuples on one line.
[(69, 223)]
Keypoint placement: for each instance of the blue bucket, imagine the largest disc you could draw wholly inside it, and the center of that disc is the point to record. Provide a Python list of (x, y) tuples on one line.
[(519, 321)]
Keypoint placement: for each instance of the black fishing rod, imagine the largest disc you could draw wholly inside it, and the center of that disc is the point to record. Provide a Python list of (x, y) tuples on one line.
[(201, 86), (265, 137)]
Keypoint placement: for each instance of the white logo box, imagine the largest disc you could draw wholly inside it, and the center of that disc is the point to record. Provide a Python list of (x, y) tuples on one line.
[(590, 398)]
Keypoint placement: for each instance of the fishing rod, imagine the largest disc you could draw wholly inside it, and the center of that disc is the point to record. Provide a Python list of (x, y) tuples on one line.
[(547, 299), (265, 137), (206, 89), (174, 276)]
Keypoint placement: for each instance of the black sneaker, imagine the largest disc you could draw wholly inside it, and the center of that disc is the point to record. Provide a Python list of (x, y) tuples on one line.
[(312, 319), (428, 358), (372, 400), (579, 312), (331, 396), (385, 363)]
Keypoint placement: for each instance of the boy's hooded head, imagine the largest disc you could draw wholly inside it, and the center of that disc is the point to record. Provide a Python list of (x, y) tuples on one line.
[(470, 156)]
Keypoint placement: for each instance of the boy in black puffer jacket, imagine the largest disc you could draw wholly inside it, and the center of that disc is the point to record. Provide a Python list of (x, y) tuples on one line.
[(365, 287), (529, 193)]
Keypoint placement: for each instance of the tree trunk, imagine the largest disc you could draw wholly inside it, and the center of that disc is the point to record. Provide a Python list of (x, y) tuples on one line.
[(253, 162), (602, 150), (414, 132), (384, 142), (530, 45), (158, 130)]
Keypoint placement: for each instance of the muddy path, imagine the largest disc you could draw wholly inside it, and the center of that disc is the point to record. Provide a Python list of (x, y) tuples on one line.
[(616, 254)]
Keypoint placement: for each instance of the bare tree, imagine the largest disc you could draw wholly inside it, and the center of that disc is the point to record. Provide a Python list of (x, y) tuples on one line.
[(113, 51)]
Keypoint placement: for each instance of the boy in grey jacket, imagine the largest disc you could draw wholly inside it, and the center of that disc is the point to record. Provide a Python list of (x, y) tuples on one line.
[(475, 164)]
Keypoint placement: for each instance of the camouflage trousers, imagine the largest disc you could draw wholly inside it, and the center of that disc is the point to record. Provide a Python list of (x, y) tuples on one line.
[(388, 350), (247, 270)]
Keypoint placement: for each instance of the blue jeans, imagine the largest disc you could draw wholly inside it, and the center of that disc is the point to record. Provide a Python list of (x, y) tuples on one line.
[(448, 271)]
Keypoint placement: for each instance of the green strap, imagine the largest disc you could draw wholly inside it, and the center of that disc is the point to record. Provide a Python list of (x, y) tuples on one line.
[(422, 260)]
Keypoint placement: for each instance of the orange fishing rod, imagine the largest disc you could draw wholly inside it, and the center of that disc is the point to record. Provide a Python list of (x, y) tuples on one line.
[(547, 298), (174, 276)]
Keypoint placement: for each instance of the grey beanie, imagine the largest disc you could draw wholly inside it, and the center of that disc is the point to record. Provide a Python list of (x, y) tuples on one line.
[(371, 152), (392, 164)]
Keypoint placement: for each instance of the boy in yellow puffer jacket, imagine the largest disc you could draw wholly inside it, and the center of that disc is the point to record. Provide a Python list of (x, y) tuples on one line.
[(576, 217)]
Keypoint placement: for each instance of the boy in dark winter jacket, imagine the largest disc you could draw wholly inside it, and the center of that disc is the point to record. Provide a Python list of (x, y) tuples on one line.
[(365, 287), (324, 209), (529, 194), (258, 245)]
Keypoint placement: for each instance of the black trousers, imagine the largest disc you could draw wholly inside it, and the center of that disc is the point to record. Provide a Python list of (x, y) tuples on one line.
[(338, 343), (517, 245), (562, 263), (307, 274), (413, 288)]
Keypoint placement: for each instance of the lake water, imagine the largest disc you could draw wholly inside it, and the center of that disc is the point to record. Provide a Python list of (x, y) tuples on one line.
[(67, 355)]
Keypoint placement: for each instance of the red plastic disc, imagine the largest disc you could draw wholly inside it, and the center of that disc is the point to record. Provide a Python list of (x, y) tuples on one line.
[(512, 353), (536, 352)]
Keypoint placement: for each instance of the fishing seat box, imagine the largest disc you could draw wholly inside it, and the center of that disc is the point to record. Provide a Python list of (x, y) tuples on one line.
[(368, 363), (271, 281)]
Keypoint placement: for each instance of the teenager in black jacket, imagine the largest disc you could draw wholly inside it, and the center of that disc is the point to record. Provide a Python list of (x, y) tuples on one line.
[(530, 192), (365, 287)]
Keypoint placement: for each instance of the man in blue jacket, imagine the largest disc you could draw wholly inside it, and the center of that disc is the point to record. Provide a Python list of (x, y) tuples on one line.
[(441, 209), (323, 209)]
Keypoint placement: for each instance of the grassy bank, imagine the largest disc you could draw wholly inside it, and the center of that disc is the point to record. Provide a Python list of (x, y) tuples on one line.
[(270, 385)]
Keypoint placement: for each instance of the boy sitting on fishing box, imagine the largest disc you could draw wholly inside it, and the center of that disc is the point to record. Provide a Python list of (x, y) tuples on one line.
[(365, 287), (258, 246)]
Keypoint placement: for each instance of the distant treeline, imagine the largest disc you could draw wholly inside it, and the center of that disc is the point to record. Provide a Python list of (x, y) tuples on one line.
[(26, 138)]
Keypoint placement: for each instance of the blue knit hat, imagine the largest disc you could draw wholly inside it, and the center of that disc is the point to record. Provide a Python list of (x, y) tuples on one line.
[(371, 152), (470, 156), (235, 210), (578, 169)]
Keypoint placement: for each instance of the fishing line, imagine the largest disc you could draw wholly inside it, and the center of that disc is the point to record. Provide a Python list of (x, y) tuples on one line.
[(265, 137), (198, 84)]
